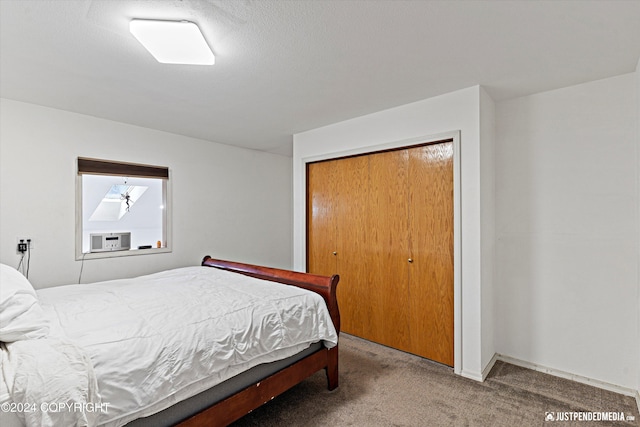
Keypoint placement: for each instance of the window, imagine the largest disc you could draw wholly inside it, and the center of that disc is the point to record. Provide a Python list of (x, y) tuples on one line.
[(125, 205)]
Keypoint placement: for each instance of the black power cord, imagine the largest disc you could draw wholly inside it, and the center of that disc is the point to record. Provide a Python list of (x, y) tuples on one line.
[(81, 267), (28, 257)]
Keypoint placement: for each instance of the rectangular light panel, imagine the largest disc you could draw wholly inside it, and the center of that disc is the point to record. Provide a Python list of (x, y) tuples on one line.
[(173, 42)]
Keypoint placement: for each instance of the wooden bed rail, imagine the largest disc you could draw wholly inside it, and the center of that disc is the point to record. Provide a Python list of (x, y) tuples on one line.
[(323, 285)]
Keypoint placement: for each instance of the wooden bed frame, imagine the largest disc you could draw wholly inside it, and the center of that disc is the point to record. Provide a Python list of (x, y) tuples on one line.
[(235, 407)]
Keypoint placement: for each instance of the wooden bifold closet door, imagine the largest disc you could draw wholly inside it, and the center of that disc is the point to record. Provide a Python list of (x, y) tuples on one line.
[(384, 222)]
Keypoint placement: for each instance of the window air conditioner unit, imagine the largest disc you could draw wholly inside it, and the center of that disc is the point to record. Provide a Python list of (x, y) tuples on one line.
[(105, 242)]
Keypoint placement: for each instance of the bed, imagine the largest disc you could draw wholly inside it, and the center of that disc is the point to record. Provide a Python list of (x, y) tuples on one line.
[(158, 349)]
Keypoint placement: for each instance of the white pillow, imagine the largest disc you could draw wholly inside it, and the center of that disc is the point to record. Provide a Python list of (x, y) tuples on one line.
[(21, 316)]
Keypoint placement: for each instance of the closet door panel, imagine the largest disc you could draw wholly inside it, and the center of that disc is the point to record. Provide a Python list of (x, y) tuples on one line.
[(352, 195), (388, 249), (321, 218), (431, 245), (384, 222)]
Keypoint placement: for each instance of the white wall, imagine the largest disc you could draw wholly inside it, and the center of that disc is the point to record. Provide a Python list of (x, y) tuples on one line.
[(638, 215), (566, 171), (457, 111), (227, 202), (487, 224)]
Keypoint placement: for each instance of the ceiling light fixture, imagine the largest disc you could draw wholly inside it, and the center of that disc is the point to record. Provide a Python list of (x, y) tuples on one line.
[(173, 42)]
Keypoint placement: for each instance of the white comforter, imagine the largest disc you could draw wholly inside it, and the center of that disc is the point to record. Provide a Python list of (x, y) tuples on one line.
[(53, 383), (158, 339)]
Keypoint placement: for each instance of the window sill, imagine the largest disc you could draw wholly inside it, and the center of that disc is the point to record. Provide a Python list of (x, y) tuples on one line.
[(117, 254)]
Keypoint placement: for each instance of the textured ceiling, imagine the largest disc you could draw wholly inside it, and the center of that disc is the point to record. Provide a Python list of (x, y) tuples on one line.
[(283, 67)]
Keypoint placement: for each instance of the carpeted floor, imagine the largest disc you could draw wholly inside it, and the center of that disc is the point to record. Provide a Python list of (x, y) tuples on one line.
[(380, 386)]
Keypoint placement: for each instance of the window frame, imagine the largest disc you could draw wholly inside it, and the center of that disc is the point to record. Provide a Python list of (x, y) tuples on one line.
[(90, 166)]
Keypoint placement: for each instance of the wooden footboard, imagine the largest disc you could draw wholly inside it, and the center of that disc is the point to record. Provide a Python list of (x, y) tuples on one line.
[(323, 285), (243, 402)]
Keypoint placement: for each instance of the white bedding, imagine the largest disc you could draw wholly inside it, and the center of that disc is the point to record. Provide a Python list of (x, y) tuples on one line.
[(53, 383), (158, 339)]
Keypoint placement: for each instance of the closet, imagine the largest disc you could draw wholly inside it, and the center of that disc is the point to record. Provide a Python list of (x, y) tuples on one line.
[(384, 222)]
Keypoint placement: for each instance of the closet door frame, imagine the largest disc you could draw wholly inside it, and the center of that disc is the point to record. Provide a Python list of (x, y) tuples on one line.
[(457, 228)]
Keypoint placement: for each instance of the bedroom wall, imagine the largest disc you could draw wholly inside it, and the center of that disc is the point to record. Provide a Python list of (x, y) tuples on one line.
[(566, 289), (456, 111), (228, 202), (638, 216), (487, 225)]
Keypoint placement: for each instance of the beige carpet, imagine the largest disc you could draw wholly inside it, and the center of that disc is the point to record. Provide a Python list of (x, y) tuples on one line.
[(380, 386)]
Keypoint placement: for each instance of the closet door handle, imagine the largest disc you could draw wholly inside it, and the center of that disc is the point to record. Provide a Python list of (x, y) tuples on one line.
[(335, 253), (410, 260)]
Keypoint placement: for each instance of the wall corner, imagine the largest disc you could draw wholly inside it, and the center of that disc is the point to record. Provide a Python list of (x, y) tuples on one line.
[(637, 78), (487, 224)]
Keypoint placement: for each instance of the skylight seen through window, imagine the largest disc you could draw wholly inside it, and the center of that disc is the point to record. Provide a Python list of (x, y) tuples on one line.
[(117, 202)]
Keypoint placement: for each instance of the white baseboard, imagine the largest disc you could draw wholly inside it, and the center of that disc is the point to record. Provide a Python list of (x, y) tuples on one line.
[(480, 376), (573, 377), (471, 375), (489, 367)]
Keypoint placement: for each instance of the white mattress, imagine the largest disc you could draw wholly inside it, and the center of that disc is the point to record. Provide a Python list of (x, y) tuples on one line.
[(161, 338)]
